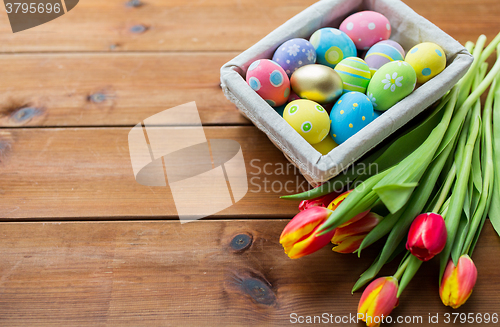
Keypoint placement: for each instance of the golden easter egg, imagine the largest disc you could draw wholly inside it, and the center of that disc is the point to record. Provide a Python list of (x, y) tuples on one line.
[(317, 83)]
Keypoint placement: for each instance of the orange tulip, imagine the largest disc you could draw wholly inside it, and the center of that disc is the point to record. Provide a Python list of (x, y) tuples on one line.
[(299, 238), (378, 300), (348, 237), (458, 282), (322, 201)]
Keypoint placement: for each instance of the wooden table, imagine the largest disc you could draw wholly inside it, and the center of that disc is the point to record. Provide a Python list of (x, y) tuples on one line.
[(83, 244)]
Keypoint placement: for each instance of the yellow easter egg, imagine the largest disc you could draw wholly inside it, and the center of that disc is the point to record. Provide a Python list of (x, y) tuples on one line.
[(309, 119), (324, 147), (427, 59)]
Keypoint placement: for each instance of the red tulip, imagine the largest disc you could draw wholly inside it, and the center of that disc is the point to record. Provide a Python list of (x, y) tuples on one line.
[(349, 236), (427, 236), (322, 201), (378, 300), (458, 282), (299, 238)]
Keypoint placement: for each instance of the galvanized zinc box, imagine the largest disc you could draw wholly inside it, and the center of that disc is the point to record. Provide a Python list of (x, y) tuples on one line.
[(408, 29)]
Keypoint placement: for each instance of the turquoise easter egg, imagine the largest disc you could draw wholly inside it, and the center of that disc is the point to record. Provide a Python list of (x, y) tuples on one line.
[(349, 115), (391, 83), (427, 59), (332, 45), (355, 74)]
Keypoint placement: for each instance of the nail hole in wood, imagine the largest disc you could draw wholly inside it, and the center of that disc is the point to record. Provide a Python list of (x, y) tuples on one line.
[(138, 29), (97, 97), (241, 242), (134, 3)]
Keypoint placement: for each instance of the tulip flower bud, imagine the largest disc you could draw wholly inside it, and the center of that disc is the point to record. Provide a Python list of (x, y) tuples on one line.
[(427, 236), (458, 282), (349, 236), (299, 238), (322, 201), (338, 200), (378, 300)]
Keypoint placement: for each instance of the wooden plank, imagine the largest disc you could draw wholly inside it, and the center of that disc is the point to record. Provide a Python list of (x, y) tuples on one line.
[(111, 89), (157, 25), (87, 173), (205, 273), (154, 25)]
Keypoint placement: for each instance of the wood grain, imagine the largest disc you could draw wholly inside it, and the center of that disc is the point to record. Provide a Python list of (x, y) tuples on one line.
[(111, 89), (86, 173), (154, 25), (168, 274), (209, 25)]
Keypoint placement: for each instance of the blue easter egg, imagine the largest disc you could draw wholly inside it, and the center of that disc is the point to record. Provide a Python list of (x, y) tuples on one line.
[(332, 45), (349, 115), (294, 54)]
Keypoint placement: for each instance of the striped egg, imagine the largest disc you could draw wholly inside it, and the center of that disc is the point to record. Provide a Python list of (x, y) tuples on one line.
[(355, 74), (382, 53)]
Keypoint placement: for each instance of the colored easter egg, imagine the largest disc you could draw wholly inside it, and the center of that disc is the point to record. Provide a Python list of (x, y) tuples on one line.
[(391, 83), (270, 81), (382, 53), (366, 28), (317, 83), (309, 119), (427, 59), (332, 45), (294, 54), (324, 147), (349, 115), (355, 74)]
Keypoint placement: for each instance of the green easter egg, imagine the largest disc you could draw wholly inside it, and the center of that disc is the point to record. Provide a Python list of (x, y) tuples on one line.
[(391, 83)]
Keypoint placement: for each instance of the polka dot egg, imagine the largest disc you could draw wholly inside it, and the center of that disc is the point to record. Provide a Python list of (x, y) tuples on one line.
[(355, 74), (382, 53), (366, 28), (332, 45), (309, 119), (349, 115), (428, 59), (294, 54), (270, 81)]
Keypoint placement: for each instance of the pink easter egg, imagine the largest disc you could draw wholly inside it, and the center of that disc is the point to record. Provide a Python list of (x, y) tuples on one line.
[(366, 28), (270, 81)]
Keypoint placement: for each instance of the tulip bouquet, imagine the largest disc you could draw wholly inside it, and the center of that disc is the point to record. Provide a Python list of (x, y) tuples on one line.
[(436, 194)]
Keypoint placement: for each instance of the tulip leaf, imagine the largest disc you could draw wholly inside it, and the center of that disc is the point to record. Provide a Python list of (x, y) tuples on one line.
[(395, 196), (494, 211), (410, 271), (382, 229), (463, 229)]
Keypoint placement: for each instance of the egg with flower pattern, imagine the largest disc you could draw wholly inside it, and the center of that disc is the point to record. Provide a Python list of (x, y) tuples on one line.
[(351, 113), (391, 83), (294, 54)]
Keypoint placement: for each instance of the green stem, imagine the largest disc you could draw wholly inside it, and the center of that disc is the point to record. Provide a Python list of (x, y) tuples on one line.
[(450, 178), (402, 268)]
